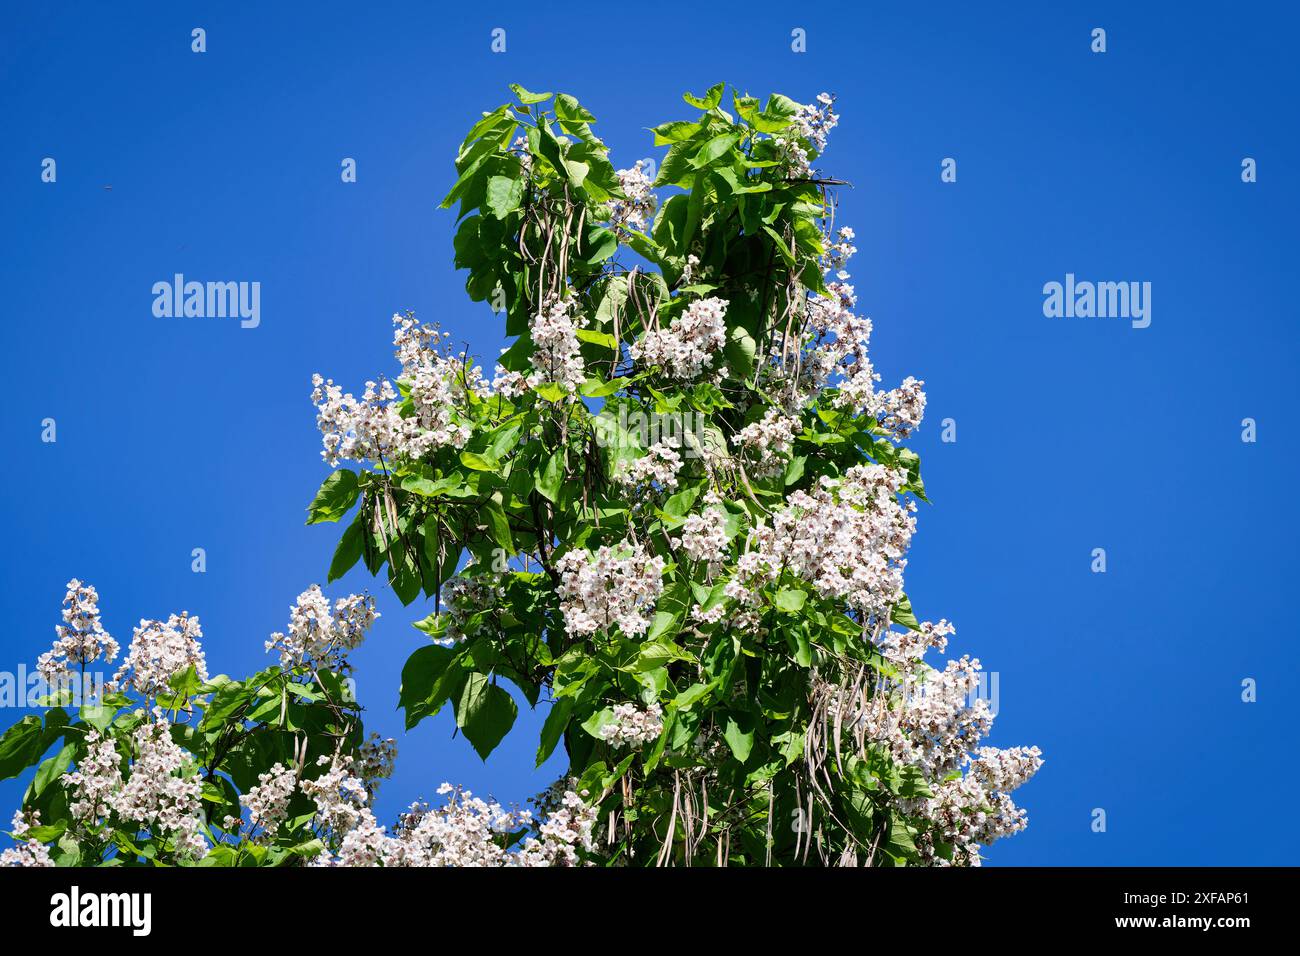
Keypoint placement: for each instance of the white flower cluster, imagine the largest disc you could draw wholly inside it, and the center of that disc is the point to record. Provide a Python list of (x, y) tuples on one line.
[(687, 348), (658, 466), (1005, 770), (935, 724), (633, 727), (464, 596), (767, 441), (615, 587), (839, 349), (848, 540), (352, 429), (902, 408), (81, 637), (372, 428), (32, 853), (557, 358), (321, 635), (340, 796), (376, 757), (509, 384), (438, 383), (908, 647), (811, 127), (160, 650), (465, 831), (95, 782), (268, 802), (704, 535), (161, 794), (840, 345), (839, 251), (635, 211)]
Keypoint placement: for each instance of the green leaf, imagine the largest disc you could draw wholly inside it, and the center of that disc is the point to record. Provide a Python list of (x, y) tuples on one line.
[(740, 350), (687, 698), (18, 747), (478, 462), (790, 600), (598, 338), (499, 525), (504, 194), (552, 392), (552, 477), (657, 653), (348, 551), (709, 101), (714, 148), (553, 729), (425, 687), (677, 131), (568, 110), (53, 768), (527, 98), (227, 700), (484, 712), (594, 387), (337, 494), (598, 721), (739, 734), (902, 614)]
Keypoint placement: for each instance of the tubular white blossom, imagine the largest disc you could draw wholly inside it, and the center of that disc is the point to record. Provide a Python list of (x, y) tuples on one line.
[(688, 347), (321, 635), (658, 466), (268, 802), (636, 210), (632, 726), (556, 358), (163, 792), (614, 587), (81, 637), (159, 650)]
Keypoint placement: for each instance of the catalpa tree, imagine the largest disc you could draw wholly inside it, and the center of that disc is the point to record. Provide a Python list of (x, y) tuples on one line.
[(676, 518)]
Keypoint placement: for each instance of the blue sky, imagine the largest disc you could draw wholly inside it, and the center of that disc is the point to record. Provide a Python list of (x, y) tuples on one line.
[(1072, 434)]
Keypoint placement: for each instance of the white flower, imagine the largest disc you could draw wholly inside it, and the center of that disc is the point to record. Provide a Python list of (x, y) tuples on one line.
[(160, 650), (849, 541), (614, 587), (372, 428), (634, 211), (340, 795), (767, 441), (556, 357), (809, 130), (81, 637), (704, 535), (96, 780), (268, 802), (466, 595), (322, 635), (465, 831), (633, 727), (162, 794), (658, 466), (689, 345)]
